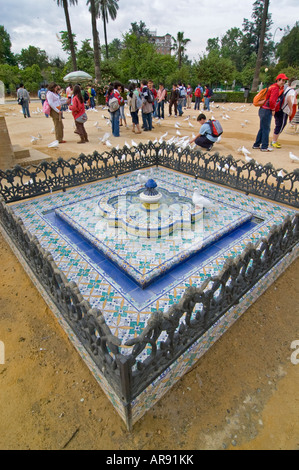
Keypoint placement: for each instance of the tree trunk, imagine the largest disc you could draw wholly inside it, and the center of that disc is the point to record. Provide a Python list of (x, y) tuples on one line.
[(96, 42), (70, 34), (105, 33), (259, 58)]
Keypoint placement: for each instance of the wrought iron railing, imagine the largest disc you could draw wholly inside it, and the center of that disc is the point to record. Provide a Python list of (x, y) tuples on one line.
[(250, 177)]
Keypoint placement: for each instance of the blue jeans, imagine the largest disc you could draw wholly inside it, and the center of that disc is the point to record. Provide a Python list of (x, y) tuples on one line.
[(207, 103), (161, 109), (115, 122), (265, 126), (25, 108), (147, 121), (180, 106), (197, 102)]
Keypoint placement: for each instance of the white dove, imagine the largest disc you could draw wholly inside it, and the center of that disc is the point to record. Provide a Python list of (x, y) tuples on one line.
[(293, 157), (164, 135), (248, 159), (141, 179), (178, 133), (34, 139), (107, 143), (190, 125), (134, 144), (54, 144), (200, 200), (177, 125), (280, 173)]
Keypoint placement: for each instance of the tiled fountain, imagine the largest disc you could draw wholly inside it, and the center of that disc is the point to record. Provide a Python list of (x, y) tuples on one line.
[(134, 244)]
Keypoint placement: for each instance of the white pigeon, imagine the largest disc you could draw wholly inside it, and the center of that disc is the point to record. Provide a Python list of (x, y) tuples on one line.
[(126, 144), (177, 125), (178, 133), (54, 144), (96, 123), (293, 157), (134, 144), (200, 200), (108, 143), (280, 173), (158, 122), (248, 159), (244, 151), (141, 179), (105, 137), (164, 135), (190, 125), (34, 139)]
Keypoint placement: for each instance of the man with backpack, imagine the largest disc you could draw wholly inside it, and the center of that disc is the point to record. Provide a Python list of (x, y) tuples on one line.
[(197, 94), (147, 106), (42, 94), (205, 137), (281, 116), (181, 98), (266, 111)]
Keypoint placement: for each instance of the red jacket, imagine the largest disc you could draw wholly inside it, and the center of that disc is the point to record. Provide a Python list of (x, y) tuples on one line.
[(77, 108), (273, 93)]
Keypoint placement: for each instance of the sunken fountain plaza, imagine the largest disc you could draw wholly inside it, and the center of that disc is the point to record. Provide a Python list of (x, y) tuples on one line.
[(147, 255)]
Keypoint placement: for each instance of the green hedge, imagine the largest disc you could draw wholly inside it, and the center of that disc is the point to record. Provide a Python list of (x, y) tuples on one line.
[(232, 97)]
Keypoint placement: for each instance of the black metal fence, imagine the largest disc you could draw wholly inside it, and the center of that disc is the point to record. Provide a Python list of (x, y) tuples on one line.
[(167, 334), (250, 177)]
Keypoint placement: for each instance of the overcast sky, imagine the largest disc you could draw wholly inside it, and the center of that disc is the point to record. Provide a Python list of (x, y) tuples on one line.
[(36, 22)]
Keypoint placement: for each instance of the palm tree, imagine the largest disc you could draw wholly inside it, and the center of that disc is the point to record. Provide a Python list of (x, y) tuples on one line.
[(65, 5), (259, 58), (96, 42), (105, 9), (180, 46)]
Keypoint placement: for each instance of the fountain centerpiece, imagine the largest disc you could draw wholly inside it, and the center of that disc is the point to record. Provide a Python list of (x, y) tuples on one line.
[(150, 212), (150, 195)]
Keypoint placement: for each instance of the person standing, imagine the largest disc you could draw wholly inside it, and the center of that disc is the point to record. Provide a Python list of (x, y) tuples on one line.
[(189, 96), (42, 94), (173, 100), (132, 103), (155, 95), (266, 111), (197, 94), (24, 99), (53, 99), (78, 111), (181, 98), (147, 106), (161, 95), (113, 92), (288, 99), (207, 96)]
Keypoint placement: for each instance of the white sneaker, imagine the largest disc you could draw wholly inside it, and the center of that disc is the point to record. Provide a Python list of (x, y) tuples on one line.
[(269, 149)]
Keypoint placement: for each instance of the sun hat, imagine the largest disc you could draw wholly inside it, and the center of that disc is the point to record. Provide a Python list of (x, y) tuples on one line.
[(281, 76)]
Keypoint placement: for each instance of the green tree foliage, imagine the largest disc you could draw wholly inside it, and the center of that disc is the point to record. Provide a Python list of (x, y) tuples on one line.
[(214, 69), (288, 48), (6, 56), (33, 56), (179, 46)]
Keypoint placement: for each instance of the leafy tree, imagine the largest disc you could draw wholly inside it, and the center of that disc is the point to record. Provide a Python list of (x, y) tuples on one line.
[(65, 42), (231, 47), (179, 45), (114, 48), (140, 30), (252, 32), (106, 8), (65, 5), (262, 36), (288, 48), (214, 69), (31, 56), (6, 56), (85, 57)]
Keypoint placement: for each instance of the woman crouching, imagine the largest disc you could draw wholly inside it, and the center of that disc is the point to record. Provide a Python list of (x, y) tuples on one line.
[(78, 111)]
